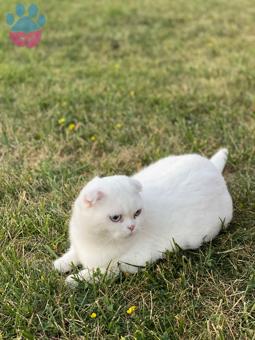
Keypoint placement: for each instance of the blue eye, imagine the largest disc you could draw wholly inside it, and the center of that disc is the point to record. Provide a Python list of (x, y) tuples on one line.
[(115, 218), (137, 213)]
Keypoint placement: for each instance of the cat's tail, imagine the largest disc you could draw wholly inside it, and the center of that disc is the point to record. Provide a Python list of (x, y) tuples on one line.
[(219, 159)]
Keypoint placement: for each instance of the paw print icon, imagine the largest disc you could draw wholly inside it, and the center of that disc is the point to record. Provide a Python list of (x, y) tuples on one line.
[(26, 30)]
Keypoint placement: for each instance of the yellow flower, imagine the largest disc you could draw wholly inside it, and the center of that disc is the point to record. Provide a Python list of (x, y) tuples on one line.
[(71, 127), (131, 310), (61, 121), (64, 104), (93, 138), (117, 66), (118, 126), (93, 315), (132, 93)]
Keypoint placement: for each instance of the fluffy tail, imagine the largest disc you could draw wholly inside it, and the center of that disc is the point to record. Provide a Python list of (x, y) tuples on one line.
[(219, 159)]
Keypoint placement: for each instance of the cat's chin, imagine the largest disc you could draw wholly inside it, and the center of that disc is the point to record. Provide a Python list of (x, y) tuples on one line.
[(125, 236)]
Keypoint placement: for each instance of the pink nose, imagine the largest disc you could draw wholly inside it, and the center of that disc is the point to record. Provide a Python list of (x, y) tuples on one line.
[(131, 227)]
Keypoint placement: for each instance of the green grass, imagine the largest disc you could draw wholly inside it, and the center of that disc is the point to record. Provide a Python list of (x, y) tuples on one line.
[(141, 80)]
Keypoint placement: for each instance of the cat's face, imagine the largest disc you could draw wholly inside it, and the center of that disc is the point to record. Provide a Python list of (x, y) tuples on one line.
[(112, 206)]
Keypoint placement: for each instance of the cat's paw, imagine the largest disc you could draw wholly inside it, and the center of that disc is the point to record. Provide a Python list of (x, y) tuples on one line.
[(129, 268), (83, 275), (61, 265), (71, 281)]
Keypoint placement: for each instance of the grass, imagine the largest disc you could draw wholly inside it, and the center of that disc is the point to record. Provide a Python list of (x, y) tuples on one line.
[(140, 80)]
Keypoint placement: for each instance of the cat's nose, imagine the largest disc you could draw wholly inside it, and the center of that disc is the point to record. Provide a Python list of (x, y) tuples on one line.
[(131, 227)]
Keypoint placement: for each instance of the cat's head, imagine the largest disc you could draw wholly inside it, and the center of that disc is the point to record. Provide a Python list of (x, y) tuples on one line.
[(111, 207)]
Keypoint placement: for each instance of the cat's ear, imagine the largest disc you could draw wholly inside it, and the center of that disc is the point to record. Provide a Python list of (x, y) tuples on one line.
[(136, 184), (92, 193), (91, 197)]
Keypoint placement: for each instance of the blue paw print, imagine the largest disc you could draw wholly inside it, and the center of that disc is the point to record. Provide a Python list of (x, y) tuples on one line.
[(26, 24)]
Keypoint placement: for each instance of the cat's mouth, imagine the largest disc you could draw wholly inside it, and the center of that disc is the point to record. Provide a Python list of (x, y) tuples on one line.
[(132, 233)]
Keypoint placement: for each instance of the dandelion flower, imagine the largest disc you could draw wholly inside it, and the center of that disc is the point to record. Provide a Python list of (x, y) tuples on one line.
[(117, 67), (61, 121), (131, 310), (71, 127), (93, 315), (118, 126), (132, 93), (93, 138)]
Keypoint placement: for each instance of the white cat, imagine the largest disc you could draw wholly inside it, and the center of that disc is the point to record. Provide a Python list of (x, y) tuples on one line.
[(120, 222)]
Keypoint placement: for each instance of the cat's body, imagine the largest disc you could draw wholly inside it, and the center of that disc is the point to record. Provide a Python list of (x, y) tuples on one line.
[(179, 199)]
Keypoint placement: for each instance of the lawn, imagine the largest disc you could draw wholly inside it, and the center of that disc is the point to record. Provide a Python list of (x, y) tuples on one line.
[(113, 86)]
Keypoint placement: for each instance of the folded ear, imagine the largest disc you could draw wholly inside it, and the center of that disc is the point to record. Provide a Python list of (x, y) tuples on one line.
[(91, 197), (136, 184)]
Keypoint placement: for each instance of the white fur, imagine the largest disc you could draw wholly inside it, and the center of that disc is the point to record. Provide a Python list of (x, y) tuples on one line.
[(184, 200)]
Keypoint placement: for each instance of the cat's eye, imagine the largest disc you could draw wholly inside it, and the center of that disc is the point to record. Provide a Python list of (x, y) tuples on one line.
[(116, 218), (137, 213)]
